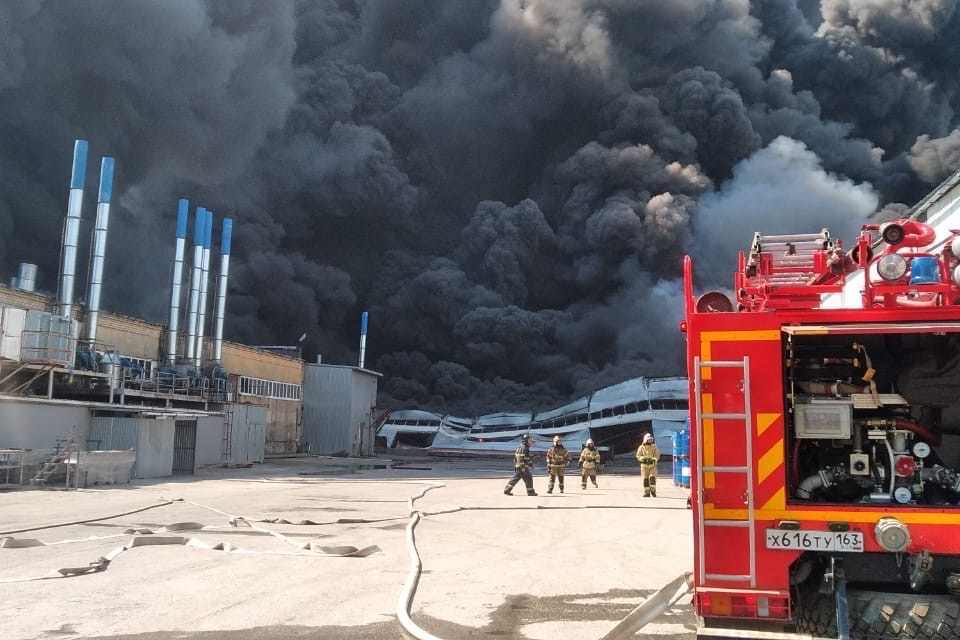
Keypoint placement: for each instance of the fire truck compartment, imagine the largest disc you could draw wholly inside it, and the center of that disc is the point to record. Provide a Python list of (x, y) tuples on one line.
[(873, 414)]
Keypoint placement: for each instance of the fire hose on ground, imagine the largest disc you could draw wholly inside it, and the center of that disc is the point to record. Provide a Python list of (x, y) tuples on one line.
[(643, 614)]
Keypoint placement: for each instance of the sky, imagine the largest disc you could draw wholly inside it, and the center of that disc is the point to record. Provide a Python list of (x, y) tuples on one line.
[(508, 186)]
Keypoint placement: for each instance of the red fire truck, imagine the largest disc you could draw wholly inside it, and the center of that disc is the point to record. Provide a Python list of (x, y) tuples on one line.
[(825, 442)]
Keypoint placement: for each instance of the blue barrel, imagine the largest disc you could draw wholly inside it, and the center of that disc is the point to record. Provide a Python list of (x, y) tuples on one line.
[(681, 458)]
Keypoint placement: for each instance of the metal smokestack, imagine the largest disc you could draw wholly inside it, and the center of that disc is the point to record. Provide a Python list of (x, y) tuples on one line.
[(26, 278), (226, 234), (363, 339), (71, 228), (98, 248), (176, 285), (199, 226), (204, 288)]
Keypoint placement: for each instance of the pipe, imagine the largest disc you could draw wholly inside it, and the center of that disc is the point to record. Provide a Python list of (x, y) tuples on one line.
[(226, 236), (943, 476), (26, 278), (71, 228), (199, 226), (176, 283), (363, 339), (821, 480), (204, 289), (98, 248), (922, 432), (832, 388)]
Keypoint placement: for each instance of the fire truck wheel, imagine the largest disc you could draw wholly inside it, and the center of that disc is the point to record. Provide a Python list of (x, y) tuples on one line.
[(883, 616)]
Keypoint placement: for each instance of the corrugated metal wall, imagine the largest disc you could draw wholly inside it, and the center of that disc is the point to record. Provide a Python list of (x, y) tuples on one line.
[(249, 431), (337, 403), (112, 433), (326, 409)]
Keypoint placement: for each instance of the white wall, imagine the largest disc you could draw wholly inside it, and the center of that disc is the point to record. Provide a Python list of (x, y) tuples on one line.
[(249, 434), (155, 449), (37, 425), (209, 440)]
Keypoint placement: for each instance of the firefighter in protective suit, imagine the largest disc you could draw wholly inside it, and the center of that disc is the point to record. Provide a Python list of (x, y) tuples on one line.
[(523, 467), (557, 459), (589, 464), (647, 456)]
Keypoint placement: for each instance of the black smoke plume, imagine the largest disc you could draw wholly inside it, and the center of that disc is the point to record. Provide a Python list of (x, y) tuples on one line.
[(507, 185)]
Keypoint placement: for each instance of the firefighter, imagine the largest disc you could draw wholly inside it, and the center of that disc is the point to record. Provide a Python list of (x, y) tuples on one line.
[(647, 456), (523, 467), (589, 464), (557, 459)]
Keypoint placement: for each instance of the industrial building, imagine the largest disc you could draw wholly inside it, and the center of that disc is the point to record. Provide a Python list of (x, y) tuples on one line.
[(78, 382)]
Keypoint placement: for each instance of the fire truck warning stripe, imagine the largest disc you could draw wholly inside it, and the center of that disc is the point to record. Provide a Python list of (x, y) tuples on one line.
[(770, 461), (737, 336), (707, 337), (764, 420), (778, 501), (858, 517), (710, 478), (706, 353)]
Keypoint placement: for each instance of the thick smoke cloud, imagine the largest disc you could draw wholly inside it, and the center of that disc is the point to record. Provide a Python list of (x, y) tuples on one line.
[(758, 198), (507, 185)]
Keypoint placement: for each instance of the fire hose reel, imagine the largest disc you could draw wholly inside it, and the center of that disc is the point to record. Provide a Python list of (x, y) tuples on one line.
[(892, 535)]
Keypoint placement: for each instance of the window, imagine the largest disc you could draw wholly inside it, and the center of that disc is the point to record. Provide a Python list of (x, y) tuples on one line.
[(270, 389)]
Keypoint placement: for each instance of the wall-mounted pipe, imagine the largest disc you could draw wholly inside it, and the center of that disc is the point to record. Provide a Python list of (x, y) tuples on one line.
[(71, 228), (199, 226), (226, 235), (363, 339), (204, 289), (176, 284), (98, 248)]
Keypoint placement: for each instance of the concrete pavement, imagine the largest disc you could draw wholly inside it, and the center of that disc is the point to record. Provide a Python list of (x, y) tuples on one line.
[(495, 566)]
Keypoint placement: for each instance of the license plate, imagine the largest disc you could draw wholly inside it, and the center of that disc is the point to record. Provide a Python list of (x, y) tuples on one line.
[(792, 540)]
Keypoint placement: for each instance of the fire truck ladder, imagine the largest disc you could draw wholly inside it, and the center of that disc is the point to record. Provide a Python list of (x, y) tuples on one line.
[(746, 470), (791, 256)]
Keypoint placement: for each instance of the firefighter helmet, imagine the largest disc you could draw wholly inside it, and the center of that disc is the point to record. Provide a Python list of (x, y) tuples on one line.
[(556, 439), (648, 438)]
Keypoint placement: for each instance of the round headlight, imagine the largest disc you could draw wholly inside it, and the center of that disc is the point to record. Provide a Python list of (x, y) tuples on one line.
[(955, 246), (956, 275), (892, 266)]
